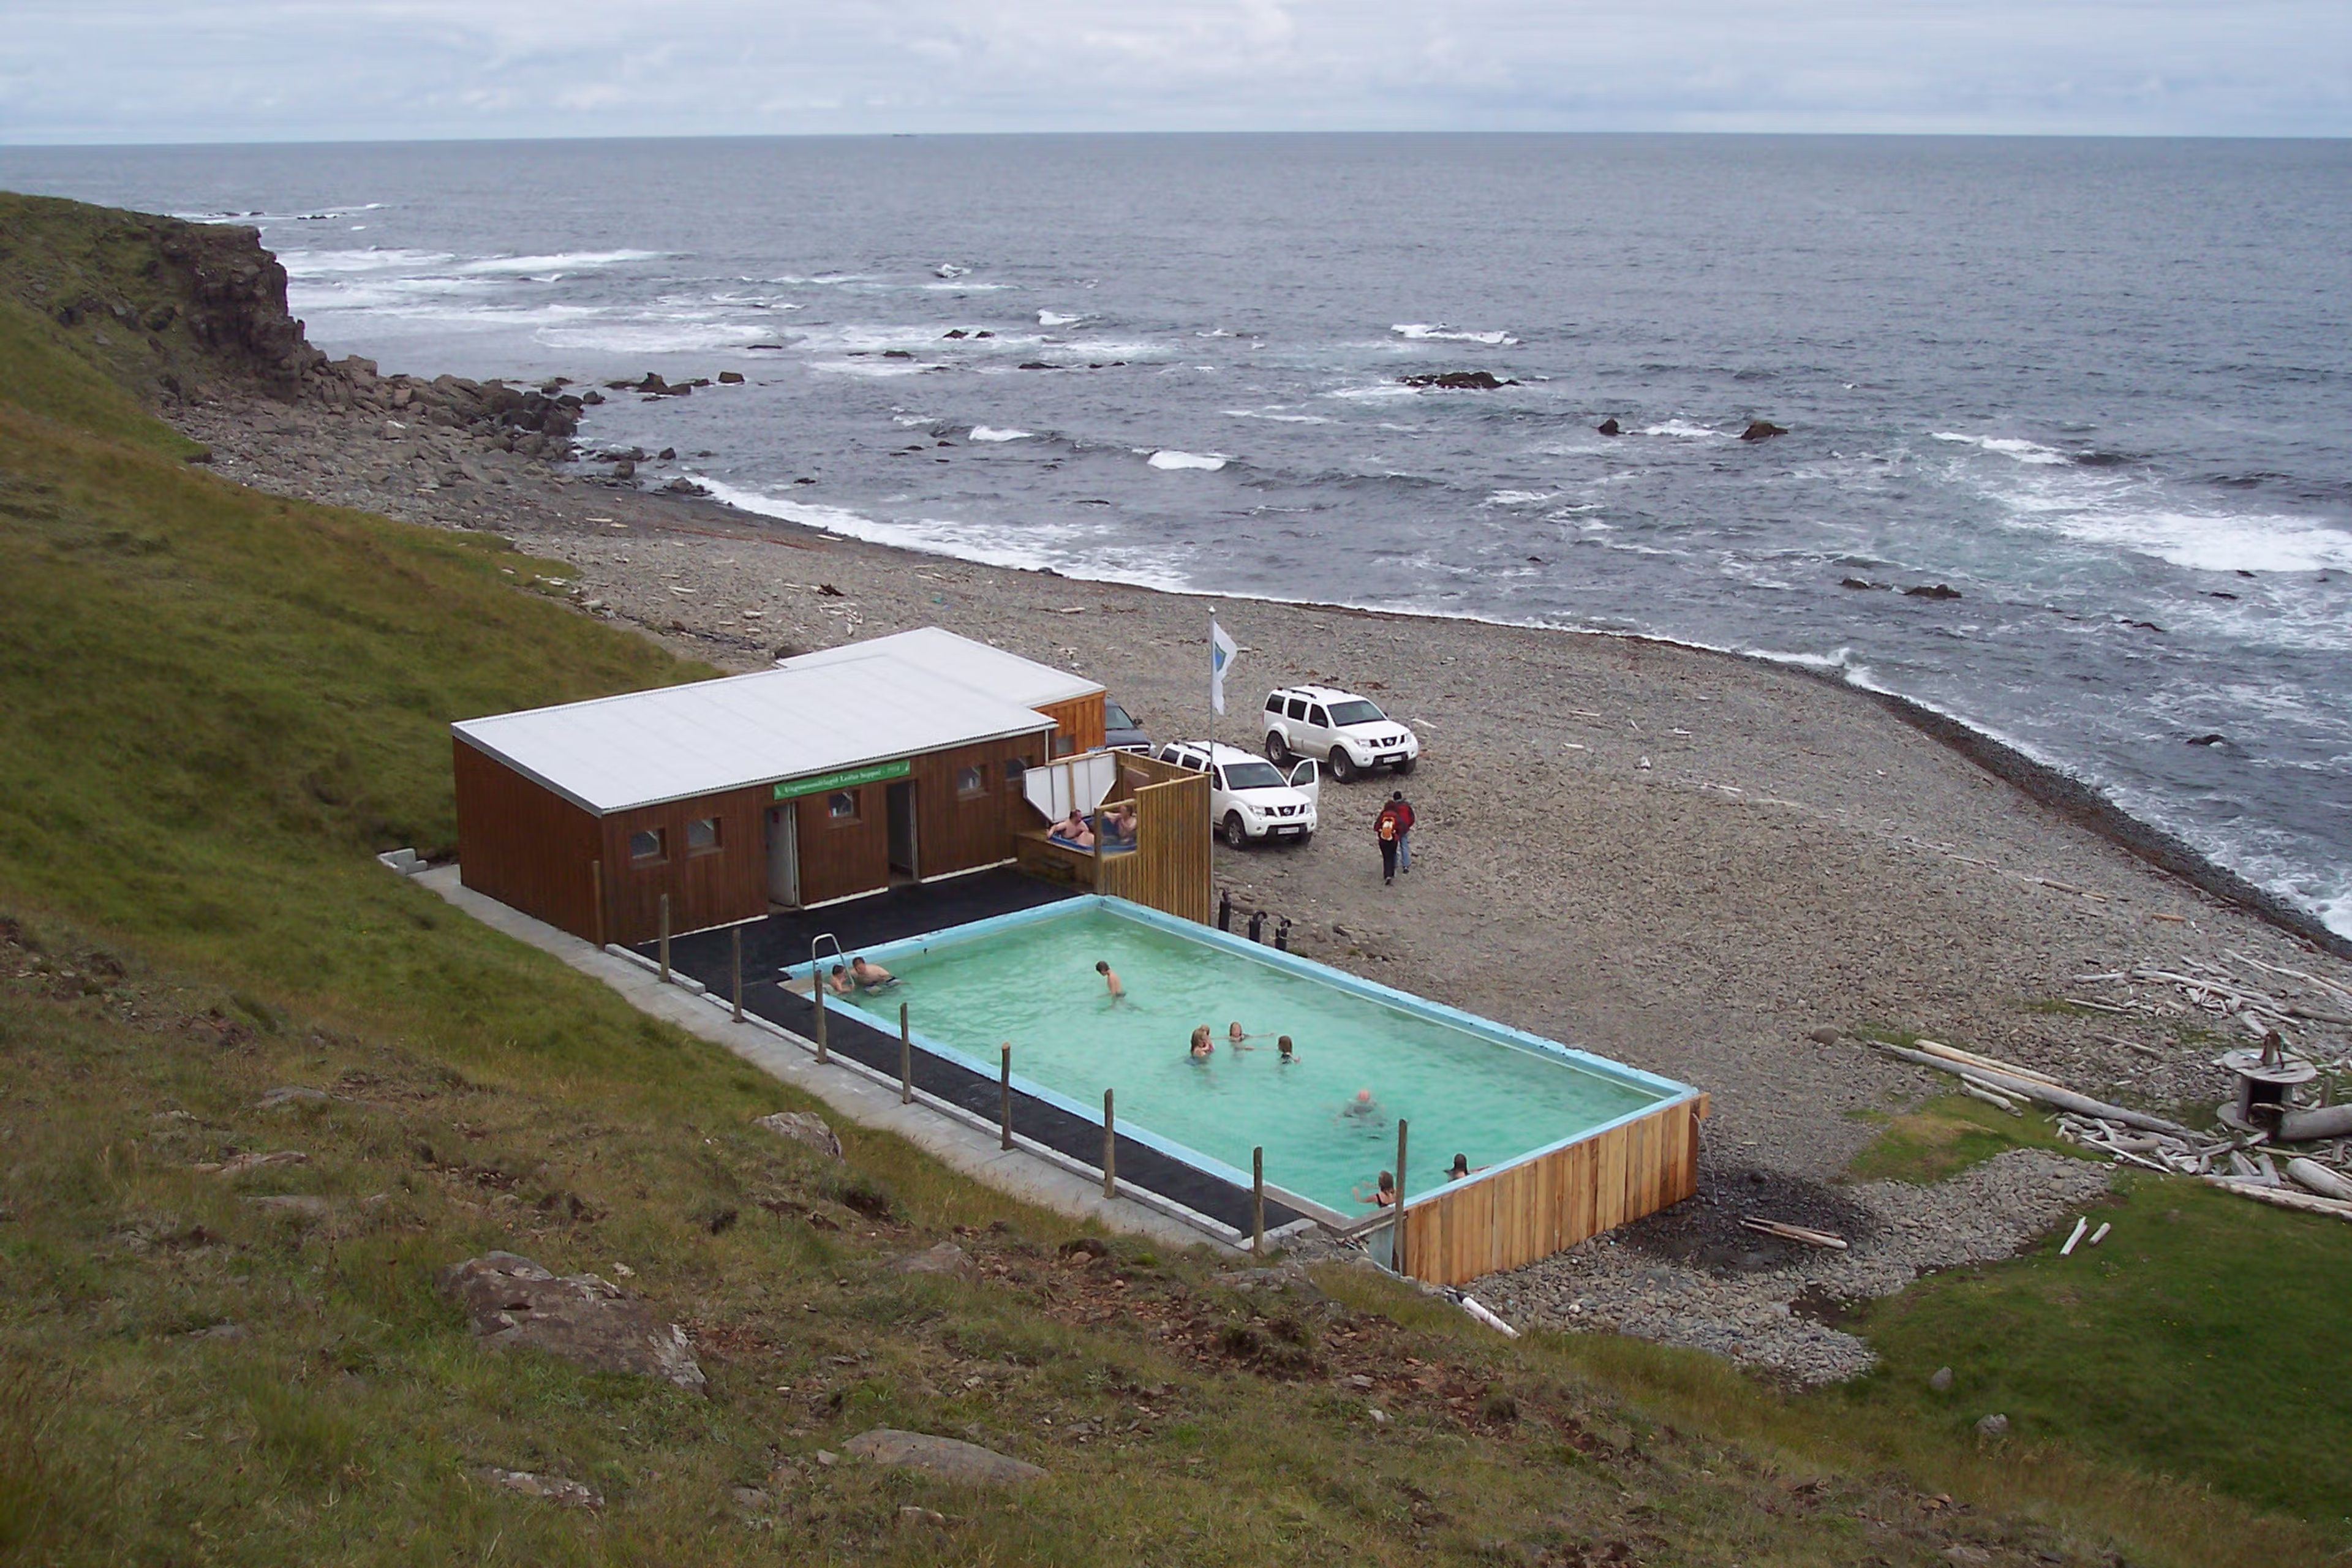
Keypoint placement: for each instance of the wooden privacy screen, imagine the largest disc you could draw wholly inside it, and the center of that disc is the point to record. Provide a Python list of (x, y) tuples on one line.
[(1536, 1207), (1168, 868)]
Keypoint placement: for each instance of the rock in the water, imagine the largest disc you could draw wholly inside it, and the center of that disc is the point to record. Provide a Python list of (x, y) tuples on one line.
[(1856, 582), (731, 378), (1932, 591), (804, 1127), (554, 1489), (2211, 739), (625, 469), (1457, 380), (943, 1458), (1941, 1379), (515, 1303), (1609, 426), (1993, 1427), (1762, 430), (946, 1258)]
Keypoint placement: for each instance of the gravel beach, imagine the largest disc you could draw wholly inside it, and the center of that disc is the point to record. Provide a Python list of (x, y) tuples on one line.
[(1707, 867)]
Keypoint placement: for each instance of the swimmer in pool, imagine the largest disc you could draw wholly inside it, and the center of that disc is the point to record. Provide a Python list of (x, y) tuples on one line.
[(1382, 1196), (1110, 979), (1203, 1047), (1363, 1108), (870, 976), (1233, 1037), (1283, 1046), (838, 982), (1459, 1168)]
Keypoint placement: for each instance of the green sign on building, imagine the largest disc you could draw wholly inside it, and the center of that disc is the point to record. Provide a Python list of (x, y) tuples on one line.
[(846, 778)]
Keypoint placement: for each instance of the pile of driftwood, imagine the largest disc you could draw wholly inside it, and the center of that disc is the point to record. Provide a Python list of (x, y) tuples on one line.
[(2316, 1179), (2256, 994)]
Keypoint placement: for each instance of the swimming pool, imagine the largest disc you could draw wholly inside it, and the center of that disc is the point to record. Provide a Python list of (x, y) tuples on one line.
[(1464, 1084)]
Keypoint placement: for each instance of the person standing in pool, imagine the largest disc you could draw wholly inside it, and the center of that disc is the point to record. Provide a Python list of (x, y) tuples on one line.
[(870, 976), (1384, 828), (1286, 1056), (1203, 1047), (838, 982), (1110, 979), (1403, 808), (1363, 1108), (1382, 1196), (1233, 1037)]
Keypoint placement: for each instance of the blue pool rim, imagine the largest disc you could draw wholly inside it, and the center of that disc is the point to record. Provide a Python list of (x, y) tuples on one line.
[(1667, 1089)]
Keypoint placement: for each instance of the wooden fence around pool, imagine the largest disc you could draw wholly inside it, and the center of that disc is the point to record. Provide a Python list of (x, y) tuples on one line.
[(1168, 870), (1533, 1208)]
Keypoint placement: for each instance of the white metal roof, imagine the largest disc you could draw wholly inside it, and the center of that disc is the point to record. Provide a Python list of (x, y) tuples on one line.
[(944, 655), (676, 742)]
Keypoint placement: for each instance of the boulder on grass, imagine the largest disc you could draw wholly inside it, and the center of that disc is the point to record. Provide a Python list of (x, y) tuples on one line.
[(517, 1304), (804, 1127), (941, 1459)]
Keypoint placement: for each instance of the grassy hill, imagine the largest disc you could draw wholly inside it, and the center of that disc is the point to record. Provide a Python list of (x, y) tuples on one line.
[(215, 706)]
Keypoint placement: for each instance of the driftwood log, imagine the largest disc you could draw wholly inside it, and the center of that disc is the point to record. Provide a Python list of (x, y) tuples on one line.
[(2310, 1126), (2327, 1183), (2284, 1197), (2047, 1094)]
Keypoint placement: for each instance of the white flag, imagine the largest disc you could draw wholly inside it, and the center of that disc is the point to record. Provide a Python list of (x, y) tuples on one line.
[(1222, 649)]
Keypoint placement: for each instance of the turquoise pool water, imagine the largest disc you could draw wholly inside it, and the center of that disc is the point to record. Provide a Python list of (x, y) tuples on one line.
[(1462, 1085)]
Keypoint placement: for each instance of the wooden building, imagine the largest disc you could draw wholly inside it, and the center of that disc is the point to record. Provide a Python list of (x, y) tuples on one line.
[(832, 776)]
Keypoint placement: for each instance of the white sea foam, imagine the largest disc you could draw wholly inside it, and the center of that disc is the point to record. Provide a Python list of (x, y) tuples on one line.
[(1519, 498), (875, 369), (1277, 419), (562, 261), (647, 337), (1683, 429), (2131, 515), (1436, 332), (1380, 393), (1170, 458), (314, 263), (990, 544), (989, 432), (2023, 450), (1055, 319)]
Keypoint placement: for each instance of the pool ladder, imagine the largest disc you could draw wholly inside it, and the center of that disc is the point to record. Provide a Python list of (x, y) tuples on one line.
[(816, 982)]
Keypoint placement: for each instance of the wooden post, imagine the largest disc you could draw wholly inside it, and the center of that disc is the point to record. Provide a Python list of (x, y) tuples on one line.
[(1005, 1096), (816, 990), (1258, 1202), (596, 874), (739, 975), (664, 937), (1110, 1151), (905, 1059), (1396, 1226)]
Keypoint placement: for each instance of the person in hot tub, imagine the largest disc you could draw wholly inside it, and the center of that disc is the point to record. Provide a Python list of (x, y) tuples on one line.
[(870, 976), (1073, 829)]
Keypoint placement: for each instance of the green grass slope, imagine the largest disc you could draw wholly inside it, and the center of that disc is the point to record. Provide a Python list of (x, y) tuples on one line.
[(214, 705)]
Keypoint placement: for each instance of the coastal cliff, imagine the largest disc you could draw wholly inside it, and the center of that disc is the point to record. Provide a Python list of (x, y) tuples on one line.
[(187, 313)]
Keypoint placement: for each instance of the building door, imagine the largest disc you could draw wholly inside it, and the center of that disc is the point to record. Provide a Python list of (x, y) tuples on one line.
[(783, 855), (900, 805)]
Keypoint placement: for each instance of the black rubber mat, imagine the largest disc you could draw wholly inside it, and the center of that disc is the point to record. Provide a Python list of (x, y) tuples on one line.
[(783, 938)]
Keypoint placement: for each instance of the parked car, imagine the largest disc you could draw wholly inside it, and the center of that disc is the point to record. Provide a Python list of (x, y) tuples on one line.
[(1346, 731), (1121, 731), (1251, 800)]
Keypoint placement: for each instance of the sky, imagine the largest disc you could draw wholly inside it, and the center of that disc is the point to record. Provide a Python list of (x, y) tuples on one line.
[(105, 71)]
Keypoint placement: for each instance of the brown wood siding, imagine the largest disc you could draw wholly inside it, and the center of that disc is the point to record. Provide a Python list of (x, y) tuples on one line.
[(1079, 721), (838, 860), (728, 883), (1168, 869), (1530, 1210), (955, 833), (522, 844)]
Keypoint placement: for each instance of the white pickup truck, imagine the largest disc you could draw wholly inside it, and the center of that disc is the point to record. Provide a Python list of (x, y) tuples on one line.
[(1249, 799), (1348, 732)]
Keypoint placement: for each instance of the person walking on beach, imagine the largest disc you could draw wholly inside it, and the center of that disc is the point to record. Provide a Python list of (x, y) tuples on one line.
[(1385, 829), (1403, 810), (1110, 979)]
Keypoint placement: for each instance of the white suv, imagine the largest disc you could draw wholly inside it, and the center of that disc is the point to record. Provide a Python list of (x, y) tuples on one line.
[(1249, 799), (1348, 730)]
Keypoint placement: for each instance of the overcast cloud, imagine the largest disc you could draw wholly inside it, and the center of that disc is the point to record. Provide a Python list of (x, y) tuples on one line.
[(214, 70)]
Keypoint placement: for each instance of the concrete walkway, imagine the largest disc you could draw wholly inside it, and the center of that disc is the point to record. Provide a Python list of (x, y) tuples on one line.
[(1033, 1175)]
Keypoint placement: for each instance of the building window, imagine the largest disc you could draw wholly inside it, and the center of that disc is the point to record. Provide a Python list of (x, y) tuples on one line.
[(970, 782), (1064, 744), (702, 835), (841, 806), (648, 846)]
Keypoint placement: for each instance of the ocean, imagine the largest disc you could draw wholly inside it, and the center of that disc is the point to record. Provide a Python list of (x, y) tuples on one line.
[(2096, 396)]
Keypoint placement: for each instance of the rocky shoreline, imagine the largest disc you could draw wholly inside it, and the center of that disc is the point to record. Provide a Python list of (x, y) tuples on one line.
[(1713, 869)]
